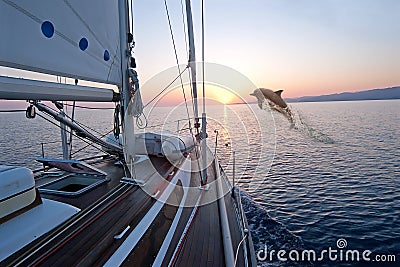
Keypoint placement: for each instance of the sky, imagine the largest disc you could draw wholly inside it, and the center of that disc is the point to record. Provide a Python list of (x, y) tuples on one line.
[(305, 47)]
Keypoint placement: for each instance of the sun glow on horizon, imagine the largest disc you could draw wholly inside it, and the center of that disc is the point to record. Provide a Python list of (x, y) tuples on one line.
[(222, 95)]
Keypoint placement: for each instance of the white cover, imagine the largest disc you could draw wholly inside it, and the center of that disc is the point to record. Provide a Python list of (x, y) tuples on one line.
[(14, 180), (173, 145), (23, 44)]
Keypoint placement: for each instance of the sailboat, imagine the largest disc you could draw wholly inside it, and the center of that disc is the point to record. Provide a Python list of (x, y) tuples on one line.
[(153, 199)]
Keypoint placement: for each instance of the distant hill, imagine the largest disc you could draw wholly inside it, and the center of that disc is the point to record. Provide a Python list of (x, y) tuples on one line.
[(374, 94)]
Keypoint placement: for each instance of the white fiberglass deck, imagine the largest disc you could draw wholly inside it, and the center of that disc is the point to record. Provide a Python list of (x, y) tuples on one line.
[(23, 229)]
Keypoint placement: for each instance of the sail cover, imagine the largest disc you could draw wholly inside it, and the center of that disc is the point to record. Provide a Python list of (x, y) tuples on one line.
[(71, 38)]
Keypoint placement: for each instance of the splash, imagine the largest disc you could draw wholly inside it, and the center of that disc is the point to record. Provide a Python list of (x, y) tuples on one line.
[(300, 123), (286, 112)]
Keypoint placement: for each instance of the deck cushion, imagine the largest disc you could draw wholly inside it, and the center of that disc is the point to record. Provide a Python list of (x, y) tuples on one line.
[(17, 189)]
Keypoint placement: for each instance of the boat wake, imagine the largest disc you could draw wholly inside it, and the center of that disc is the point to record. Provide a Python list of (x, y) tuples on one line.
[(268, 232)]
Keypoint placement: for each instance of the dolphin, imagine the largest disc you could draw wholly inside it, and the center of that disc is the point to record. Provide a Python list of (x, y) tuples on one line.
[(274, 100)]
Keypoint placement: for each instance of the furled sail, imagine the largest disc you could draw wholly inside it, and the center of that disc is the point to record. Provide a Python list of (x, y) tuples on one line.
[(71, 38)]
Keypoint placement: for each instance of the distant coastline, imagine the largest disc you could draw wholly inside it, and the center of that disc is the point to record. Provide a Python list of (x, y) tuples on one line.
[(374, 94)]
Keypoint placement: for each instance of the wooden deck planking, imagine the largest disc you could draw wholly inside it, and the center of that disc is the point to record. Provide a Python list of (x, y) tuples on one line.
[(149, 245), (92, 239), (96, 243), (203, 246)]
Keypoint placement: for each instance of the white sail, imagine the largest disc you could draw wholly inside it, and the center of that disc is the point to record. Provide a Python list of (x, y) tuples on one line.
[(72, 38)]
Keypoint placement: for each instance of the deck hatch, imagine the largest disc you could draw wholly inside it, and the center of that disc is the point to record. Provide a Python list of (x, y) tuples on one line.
[(73, 184)]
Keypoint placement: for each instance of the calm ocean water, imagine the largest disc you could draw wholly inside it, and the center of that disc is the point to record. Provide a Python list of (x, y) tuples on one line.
[(334, 174)]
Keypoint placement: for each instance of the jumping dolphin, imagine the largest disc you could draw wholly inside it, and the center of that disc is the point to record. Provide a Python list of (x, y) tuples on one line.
[(274, 100)]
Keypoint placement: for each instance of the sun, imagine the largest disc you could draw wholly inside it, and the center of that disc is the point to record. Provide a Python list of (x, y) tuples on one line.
[(225, 99), (221, 95)]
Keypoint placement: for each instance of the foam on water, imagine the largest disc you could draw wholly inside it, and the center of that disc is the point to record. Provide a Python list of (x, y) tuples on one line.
[(268, 232), (300, 123)]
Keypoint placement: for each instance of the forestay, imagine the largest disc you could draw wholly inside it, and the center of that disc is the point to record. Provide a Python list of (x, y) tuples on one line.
[(71, 38)]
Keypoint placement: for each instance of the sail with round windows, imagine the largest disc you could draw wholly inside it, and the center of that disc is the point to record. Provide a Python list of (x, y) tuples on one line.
[(70, 38)]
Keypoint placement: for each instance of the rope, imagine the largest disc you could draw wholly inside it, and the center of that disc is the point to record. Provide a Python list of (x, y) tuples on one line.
[(137, 108), (137, 105), (237, 250), (116, 131)]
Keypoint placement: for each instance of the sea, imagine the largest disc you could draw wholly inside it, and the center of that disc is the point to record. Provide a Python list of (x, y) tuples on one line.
[(327, 181)]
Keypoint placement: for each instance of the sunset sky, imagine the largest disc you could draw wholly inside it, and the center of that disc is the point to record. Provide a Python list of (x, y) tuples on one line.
[(306, 47)]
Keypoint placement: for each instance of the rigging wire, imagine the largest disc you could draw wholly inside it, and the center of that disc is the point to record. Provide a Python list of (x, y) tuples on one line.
[(84, 127), (177, 63), (169, 85), (12, 110), (87, 145), (184, 29), (36, 144), (77, 122), (86, 107), (183, 89), (82, 139), (70, 135)]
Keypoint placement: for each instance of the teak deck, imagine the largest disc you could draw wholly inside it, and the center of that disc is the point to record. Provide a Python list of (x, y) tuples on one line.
[(87, 239)]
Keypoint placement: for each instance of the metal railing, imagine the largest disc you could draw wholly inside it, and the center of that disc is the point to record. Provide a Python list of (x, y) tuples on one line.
[(248, 247)]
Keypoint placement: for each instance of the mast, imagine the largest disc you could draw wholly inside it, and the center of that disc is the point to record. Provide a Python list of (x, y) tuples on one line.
[(203, 115), (192, 61), (123, 35), (192, 66), (128, 86)]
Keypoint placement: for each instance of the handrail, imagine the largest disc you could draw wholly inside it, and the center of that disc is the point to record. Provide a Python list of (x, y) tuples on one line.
[(249, 243), (226, 233), (249, 247)]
